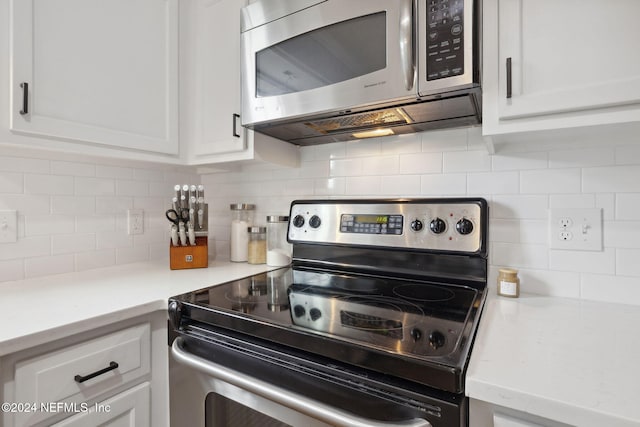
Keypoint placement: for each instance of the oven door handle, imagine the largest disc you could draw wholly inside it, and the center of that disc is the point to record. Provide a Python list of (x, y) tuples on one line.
[(283, 397)]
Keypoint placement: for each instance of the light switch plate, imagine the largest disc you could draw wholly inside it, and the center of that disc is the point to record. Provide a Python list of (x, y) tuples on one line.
[(135, 221), (8, 226), (575, 229)]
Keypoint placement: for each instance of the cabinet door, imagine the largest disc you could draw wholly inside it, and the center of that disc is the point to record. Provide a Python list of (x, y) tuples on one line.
[(100, 72), (218, 74), (130, 408), (567, 55)]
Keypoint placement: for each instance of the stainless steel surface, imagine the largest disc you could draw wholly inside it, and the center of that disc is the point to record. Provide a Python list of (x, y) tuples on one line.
[(467, 80), (444, 102), (278, 395), (330, 215)]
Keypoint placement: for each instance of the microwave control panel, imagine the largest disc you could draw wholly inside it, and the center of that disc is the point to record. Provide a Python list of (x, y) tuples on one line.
[(445, 38)]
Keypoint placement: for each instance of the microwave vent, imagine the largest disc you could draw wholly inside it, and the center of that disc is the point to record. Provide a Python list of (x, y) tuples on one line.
[(389, 117)]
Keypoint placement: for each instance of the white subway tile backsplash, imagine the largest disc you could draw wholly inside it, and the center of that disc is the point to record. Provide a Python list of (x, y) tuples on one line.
[(89, 260), (617, 289), (23, 165), (466, 161), (132, 188), (70, 243), (48, 184), (85, 228), (443, 184), (11, 182), (41, 225), (519, 161), (25, 248), (613, 179), (493, 183), (603, 262), (405, 185), (73, 205), (11, 270), (520, 255), (627, 262), (628, 206), (44, 266), (380, 165), (442, 141), (87, 186), (420, 163), (550, 181), (519, 207), (581, 158), (72, 168)]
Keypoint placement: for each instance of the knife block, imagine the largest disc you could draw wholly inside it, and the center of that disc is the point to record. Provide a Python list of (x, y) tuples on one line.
[(183, 257)]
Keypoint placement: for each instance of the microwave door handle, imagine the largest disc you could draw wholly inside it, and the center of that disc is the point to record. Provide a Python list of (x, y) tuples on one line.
[(406, 43), (281, 396)]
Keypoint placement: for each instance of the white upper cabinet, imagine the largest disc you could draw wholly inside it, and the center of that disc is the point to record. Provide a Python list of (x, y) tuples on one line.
[(210, 89), (572, 63), (95, 72)]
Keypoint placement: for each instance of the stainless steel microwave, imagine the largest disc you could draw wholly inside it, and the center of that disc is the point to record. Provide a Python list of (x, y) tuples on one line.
[(325, 71)]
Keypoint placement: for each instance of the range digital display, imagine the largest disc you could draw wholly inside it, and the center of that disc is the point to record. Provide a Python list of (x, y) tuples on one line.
[(371, 224)]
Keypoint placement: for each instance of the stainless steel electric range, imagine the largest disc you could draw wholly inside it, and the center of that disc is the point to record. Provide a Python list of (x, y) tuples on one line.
[(371, 325)]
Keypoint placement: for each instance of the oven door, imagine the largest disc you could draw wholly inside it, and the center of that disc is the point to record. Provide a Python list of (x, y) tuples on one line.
[(329, 56), (219, 380)]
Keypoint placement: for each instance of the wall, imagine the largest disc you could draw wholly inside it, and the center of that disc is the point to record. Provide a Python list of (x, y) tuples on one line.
[(72, 211), (520, 182)]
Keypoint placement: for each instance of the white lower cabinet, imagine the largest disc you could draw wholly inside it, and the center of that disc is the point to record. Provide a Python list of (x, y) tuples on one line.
[(96, 378), (127, 409), (484, 414)]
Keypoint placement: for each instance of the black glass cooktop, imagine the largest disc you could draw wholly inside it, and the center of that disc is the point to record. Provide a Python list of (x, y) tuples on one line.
[(409, 318)]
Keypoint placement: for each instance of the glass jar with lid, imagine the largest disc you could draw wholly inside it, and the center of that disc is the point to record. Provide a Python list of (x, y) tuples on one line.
[(278, 249), (257, 246), (241, 220)]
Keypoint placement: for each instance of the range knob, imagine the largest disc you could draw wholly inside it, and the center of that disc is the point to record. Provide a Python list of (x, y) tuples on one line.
[(416, 225), (315, 221), (298, 221), (438, 226), (416, 334), (464, 226), (299, 310), (315, 314), (436, 339)]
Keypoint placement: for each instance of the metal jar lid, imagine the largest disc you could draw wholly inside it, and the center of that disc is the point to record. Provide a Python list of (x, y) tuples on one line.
[(257, 230), (276, 218), (242, 207)]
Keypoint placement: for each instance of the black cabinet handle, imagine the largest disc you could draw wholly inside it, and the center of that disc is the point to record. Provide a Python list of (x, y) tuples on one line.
[(25, 98), (235, 120), (509, 87), (81, 379)]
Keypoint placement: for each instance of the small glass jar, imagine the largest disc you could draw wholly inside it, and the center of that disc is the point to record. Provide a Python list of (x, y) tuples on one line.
[(241, 219), (508, 283), (278, 249), (257, 247)]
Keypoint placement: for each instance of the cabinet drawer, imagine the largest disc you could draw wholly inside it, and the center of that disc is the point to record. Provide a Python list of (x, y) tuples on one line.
[(82, 371)]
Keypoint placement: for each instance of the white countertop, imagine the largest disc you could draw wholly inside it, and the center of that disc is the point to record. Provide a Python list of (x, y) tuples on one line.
[(35, 311), (568, 360)]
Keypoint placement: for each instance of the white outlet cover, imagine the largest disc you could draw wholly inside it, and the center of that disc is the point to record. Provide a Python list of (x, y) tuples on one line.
[(135, 221), (584, 226), (8, 226)]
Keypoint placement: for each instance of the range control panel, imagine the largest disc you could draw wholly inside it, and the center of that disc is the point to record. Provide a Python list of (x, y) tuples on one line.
[(456, 225)]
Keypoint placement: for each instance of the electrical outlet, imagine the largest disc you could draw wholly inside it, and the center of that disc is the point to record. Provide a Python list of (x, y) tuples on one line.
[(8, 226), (135, 221), (575, 229)]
